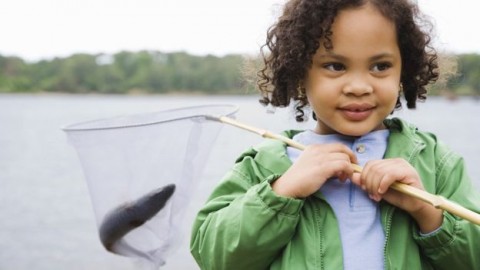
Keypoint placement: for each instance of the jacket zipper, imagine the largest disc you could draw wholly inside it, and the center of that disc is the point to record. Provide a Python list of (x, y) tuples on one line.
[(388, 225), (389, 215)]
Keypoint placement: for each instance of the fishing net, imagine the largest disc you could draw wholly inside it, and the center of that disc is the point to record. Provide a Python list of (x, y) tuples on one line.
[(131, 163)]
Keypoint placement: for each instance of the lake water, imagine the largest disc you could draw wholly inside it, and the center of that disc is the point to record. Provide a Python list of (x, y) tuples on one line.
[(46, 217)]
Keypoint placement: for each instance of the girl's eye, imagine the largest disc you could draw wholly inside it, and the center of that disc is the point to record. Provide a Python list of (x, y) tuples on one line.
[(381, 67), (334, 67)]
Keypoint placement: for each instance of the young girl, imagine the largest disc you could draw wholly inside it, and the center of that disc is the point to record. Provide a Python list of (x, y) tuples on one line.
[(279, 208)]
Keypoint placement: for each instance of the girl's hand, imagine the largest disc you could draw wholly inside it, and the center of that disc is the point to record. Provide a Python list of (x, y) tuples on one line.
[(315, 165), (378, 175)]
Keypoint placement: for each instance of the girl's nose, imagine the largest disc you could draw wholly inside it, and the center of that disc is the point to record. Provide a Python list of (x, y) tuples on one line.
[(358, 86)]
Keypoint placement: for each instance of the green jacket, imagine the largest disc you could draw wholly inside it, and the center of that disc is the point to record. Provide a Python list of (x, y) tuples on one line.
[(245, 225)]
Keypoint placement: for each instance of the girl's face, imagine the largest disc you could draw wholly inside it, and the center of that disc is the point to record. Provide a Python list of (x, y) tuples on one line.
[(353, 87)]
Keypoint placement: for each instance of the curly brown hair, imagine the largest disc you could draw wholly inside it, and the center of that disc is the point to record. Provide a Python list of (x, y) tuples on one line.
[(293, 40)]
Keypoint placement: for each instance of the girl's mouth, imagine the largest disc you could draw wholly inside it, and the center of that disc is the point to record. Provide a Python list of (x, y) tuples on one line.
[(357, 112)]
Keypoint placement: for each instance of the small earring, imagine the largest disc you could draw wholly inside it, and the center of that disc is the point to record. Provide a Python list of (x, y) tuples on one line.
[(398, 105), (300, 92)]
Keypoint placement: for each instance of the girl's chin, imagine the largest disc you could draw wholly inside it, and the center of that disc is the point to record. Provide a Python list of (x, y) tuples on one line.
[(352, 130)]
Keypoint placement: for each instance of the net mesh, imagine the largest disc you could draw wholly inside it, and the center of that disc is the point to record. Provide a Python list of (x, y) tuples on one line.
[(124, 158)]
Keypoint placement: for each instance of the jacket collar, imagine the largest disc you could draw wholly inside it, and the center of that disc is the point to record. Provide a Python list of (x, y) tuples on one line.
[(272, 154), (403, 140)]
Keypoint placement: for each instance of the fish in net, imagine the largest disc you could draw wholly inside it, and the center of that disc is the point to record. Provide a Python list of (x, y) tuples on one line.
[(141, 171)]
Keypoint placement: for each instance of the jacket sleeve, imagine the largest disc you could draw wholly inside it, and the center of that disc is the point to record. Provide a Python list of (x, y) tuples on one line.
[(244, 224), (456, 245)]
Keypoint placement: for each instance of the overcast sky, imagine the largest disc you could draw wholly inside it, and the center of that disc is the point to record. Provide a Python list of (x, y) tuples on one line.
[(39, 29)]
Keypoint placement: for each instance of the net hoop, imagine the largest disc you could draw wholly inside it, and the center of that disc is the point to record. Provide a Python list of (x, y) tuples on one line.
[(138, 120)]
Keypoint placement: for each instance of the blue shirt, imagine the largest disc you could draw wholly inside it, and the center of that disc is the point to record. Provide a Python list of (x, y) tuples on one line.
[(358, 216)]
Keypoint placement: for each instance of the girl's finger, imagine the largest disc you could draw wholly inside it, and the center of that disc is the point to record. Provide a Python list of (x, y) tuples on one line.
[(341, 148)]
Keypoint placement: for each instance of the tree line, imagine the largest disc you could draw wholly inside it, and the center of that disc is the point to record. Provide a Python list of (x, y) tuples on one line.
[(157, 72)]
